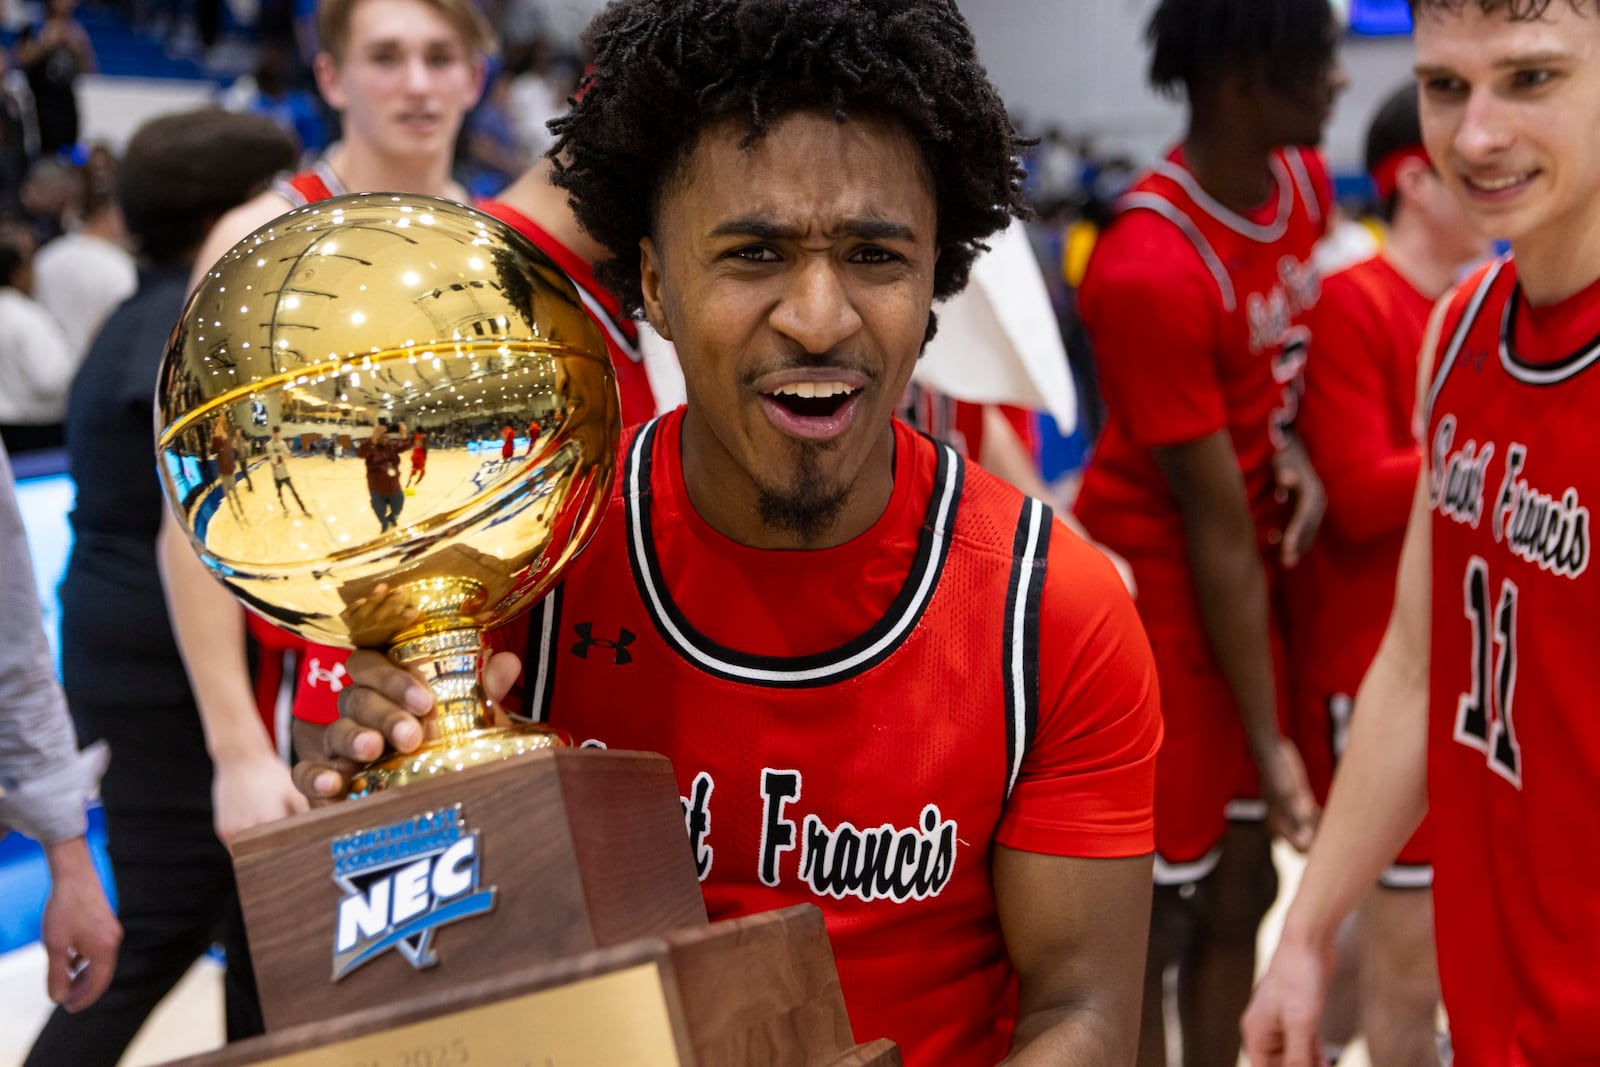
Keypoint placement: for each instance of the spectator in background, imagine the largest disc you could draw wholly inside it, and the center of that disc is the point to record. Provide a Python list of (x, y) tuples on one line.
[(79, 277), (16, 125), (496, 153), (124, 678), (44, 780), (295, 109), (53, 54), (382, 455), (1196, 301), (538, 94), (242, 449), (51, 197), (36, 359)]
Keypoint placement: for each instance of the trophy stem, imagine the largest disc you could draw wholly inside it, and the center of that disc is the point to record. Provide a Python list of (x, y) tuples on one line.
[(460, 732), (451, 664)]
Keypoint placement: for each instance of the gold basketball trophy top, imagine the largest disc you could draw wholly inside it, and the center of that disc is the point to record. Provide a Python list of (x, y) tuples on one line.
[(357, 324)]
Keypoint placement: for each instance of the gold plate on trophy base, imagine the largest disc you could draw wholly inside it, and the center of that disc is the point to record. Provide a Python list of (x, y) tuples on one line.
[(759, 991)]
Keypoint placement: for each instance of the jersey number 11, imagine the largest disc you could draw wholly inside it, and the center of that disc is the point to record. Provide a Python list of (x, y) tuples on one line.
[(1483, 716)]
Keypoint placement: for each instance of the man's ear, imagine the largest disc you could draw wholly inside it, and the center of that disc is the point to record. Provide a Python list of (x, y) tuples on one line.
[(650, 286), (326, 70), (480, 79), (1410, 176)]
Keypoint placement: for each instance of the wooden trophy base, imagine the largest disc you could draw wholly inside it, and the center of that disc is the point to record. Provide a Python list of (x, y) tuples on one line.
[(759, 991), (460, 879), (539, 912)]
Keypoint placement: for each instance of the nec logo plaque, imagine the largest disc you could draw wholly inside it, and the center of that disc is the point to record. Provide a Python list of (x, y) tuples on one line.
[(401, 883)]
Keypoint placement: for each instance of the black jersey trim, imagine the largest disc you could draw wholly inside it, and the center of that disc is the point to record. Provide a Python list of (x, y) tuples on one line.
[(544, 639), (1160, 205), (788, 672), (1029, 556), (1522, 370), (1459, 338)]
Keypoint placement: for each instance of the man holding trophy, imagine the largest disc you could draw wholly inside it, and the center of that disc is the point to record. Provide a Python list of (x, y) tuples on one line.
[(890, 685)]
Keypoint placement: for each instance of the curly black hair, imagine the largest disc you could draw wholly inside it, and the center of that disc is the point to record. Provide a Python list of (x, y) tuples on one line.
[(665, 70), (1193, 42)]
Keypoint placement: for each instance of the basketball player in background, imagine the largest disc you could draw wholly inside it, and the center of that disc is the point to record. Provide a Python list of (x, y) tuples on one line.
[(1195, 301)]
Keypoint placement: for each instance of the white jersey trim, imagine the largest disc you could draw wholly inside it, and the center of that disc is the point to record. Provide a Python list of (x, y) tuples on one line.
[(1165, 873), (1407, 876), (1302, 179), (1172, 213), (1022, 634), (1267, 233), (652, 585), (1459, 337)]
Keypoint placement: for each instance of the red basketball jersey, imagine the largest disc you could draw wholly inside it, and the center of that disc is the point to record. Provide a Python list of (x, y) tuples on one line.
[(1514, 739), (856, 727), (1197, 319), (1357, 424), (622, 336)]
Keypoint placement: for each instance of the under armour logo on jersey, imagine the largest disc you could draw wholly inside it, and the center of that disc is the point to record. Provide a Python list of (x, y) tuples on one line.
[(587, 640), (335, 676)]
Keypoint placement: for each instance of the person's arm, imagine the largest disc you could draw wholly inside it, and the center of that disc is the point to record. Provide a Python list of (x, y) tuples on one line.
[(79, 931), (1231, 588), (1379, 796), (1076, 931), (1003, 454), (1073, 850), (44, 780), (251, 785)]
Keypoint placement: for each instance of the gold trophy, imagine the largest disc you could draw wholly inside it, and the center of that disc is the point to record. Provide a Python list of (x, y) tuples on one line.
[(387, 421)]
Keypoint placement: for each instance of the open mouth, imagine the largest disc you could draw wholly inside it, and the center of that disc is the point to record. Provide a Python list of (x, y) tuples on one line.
[(812, 400), (814, 410)]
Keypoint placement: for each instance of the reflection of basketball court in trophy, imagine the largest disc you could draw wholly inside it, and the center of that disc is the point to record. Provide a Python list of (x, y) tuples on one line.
[(542, 909)]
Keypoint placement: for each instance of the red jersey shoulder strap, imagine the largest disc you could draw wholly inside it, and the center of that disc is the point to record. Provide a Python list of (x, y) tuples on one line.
[(309, 186), (1461, 315), (603, 305)]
